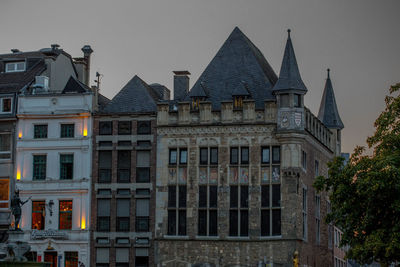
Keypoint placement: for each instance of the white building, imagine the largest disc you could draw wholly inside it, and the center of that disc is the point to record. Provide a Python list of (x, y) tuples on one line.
[(53, 167)]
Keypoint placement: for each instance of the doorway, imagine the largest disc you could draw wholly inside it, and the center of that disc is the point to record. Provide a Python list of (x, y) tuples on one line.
[(51, 257)]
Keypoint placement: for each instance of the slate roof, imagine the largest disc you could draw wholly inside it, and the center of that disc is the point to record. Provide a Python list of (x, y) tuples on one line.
[(237, 60), (289, 76), (199, 91), (74, 86), (328, 111), (241, 90), (102, 101), (12, 82), (135, 97)]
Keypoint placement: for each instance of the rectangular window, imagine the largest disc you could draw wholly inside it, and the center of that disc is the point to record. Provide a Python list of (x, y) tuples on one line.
[(318, 219), (40, 131), (265, 155), (105, 163), (39, 167), (276, 154), (123, 208), (284, 100), (183, 156), (65, 215), (204, 156), (304, 159), (124, 127), (102, 257), (172, 156), (244, 155), (214, 155), (238, 214), (103, 215), (4, 193), (71, 259), (270, 192), (234, 155), (67, 130), (66, 166), (142, 215), (177, 210), (124, 166), (38, 215), (6, 105), (105, 127), (5, 146), (297, 101), (143, 166), (305, 226), (316, 168), (208, 219), (144, 127), (15, 66)]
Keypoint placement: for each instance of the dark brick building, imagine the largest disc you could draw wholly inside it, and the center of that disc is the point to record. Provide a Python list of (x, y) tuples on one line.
[(123, 184)]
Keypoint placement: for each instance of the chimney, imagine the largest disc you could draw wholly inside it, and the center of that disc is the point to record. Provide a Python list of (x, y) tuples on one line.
[(87, 51), (181, 84), (55, 46)]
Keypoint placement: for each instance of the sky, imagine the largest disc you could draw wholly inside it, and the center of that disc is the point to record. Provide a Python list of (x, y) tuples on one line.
[(358, 40)]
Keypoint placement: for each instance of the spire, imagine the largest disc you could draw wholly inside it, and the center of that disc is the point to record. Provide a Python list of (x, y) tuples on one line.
[(328, 112), (289, 76)]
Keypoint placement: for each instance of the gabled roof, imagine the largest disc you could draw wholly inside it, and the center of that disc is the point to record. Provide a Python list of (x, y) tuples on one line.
[(328, 111), (289, 76), (135, 96), (241, 90), (74, 86), (102, 101), (198, 91), (237, 60)]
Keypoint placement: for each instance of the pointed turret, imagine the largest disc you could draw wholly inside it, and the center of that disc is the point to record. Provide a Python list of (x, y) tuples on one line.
[(289, 76), (290, 91), (328, 111)]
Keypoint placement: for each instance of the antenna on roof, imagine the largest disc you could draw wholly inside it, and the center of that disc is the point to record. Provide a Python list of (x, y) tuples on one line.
[(98, 77)]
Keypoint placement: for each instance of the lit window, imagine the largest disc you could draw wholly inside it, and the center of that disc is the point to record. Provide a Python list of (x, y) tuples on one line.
[(4, 192), (6, 105), (71, 259), (238, 102), (38, 215), (65, 215), (40, 131), (67, 130), (15, 66), (66, 166)]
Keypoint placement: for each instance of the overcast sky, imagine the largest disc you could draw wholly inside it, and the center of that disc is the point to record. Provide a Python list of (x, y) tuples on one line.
[(358, 39)]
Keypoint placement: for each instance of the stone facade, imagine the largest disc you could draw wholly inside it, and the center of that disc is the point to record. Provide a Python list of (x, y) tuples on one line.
[(255, 129)]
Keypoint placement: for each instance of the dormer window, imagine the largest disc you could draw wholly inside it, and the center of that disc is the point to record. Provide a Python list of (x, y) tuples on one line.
[(195, 103), (6, 105), (15, 66), (297, 101), (238, 102), (284, 99)]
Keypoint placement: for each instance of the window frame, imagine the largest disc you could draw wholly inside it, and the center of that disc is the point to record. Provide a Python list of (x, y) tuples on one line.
[(38, 174), (41, 211), (67, 213), (101, 128), (15, 64), (142, 130), (65, 165), (5, 153), (122, 131), (65, 132), (38, 134), (176, 207), (2, 105)]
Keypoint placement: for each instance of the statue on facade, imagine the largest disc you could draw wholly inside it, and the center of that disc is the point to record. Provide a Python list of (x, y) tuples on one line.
[(16, 205)]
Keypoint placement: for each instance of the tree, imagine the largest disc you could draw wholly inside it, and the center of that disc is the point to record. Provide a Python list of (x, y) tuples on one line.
[(365, 193)]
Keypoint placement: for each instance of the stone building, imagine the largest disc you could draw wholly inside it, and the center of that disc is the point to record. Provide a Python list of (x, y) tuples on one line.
[(123, 185), (53, 157), (236, 159)]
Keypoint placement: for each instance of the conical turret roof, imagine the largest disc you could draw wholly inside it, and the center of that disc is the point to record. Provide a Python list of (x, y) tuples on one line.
[(289, 76), (328, 111)]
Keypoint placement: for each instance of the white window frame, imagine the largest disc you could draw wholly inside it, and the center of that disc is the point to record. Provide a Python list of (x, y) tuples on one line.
[(2, 106), (14, 64)]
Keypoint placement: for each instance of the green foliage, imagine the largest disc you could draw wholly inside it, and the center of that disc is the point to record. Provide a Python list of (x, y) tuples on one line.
[(365, 193)]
